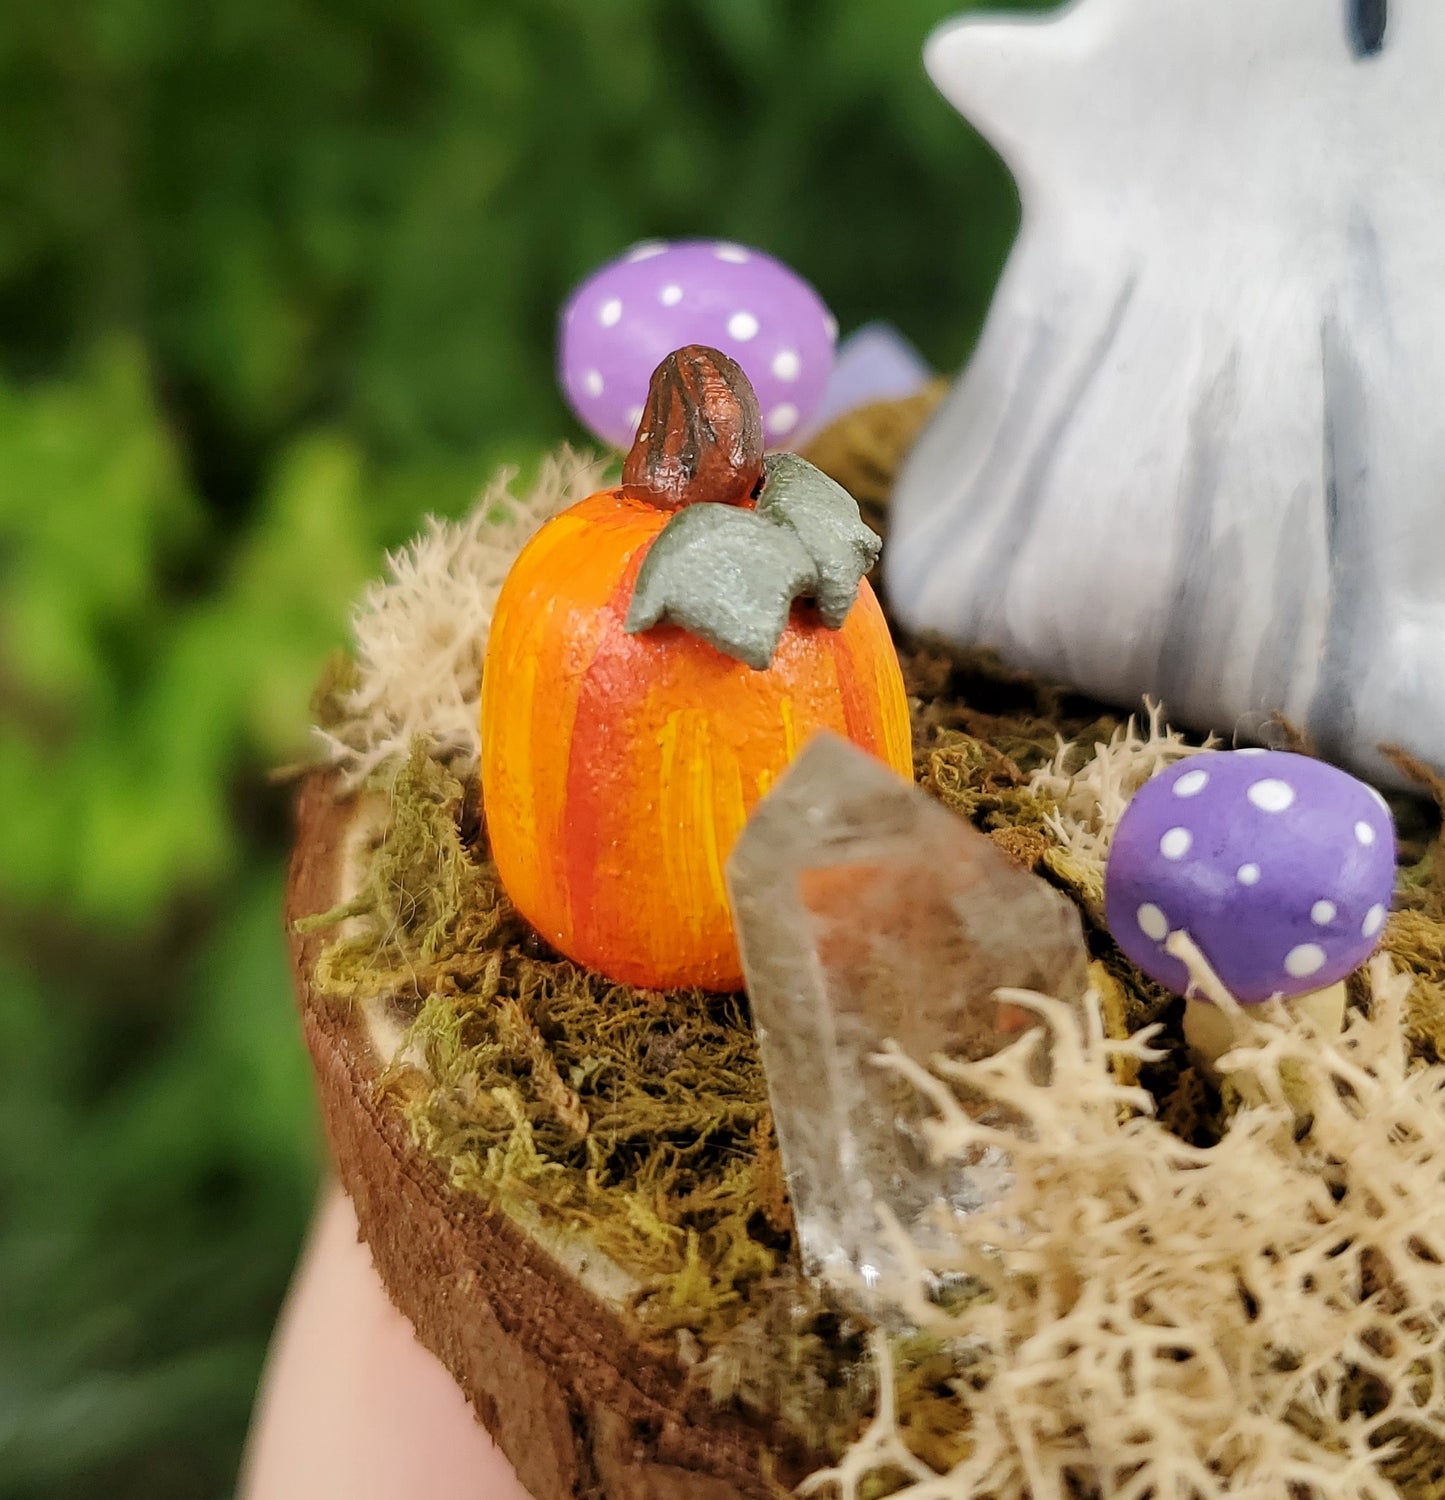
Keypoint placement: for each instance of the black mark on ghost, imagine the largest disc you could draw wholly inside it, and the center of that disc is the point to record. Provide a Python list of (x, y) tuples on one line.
[(1368, 21)]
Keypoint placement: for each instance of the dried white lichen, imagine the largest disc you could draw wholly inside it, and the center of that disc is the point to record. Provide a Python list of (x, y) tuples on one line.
[(1091, 797), (420, 633), (1263, 1318)]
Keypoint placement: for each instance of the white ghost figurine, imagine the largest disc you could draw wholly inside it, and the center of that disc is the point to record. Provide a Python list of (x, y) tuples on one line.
[(1200, 450)]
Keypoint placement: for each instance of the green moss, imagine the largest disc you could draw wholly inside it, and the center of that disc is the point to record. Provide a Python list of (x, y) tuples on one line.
[(430, 917)]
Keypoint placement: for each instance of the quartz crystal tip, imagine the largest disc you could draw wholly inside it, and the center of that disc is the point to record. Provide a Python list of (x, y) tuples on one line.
[(867, 912)]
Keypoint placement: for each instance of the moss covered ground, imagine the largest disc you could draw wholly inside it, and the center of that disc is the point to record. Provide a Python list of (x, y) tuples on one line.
[(640, 1118)]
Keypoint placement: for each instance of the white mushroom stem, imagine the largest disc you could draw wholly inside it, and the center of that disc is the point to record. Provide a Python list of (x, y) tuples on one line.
[(1215, 1022), (1211, 1031)]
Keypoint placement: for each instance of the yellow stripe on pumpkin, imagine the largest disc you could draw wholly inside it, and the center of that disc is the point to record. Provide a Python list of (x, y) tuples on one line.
[(527, 728), (729, 813), (790, 728)]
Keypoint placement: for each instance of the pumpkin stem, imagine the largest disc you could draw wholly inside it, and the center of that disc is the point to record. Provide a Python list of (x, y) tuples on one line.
[(701, 435), (729, 575)]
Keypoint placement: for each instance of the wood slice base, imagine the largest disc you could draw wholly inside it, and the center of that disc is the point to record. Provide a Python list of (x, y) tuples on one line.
[(582, 1406)]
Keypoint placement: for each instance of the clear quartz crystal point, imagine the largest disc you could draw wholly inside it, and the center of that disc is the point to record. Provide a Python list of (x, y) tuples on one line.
[(866, 911)]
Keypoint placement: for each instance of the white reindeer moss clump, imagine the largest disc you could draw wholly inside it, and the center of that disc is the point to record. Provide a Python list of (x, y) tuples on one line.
[(421, 632), (1261, 1318), (1090, 798)]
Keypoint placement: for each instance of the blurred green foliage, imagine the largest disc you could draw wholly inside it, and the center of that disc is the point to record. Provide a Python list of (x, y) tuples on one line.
[(276, 277)]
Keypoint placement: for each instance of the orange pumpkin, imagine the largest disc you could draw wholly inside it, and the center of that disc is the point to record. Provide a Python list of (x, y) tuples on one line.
[(618, 769)]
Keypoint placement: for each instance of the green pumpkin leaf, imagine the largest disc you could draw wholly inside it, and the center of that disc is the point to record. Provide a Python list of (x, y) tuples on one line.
[(729, 575)]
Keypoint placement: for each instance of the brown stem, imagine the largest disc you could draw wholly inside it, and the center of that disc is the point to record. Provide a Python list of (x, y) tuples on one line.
[(701, 436)]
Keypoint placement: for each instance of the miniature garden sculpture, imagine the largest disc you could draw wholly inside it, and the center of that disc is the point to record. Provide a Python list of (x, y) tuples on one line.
[(658, 655), (647, 1230), (575, 1190), (1197, 452), (1278, 868)]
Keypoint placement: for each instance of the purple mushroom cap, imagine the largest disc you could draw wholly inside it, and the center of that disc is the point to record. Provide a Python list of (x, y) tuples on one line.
[(620, 324), (1279, 867), (874, 363)]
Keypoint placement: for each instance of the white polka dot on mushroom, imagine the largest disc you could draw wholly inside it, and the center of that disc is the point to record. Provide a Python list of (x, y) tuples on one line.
[(610, 313), (734, 254), (1305, 960), (787, 365), (634, 415), (1322, 913), (646, 250), (1252, 750), (1176, 843), (1247, 875), (831, 324), (670, 295), (1374, 921), (743, 326), (1191, 783), (1152, 922), (593, 383), (782, 419), (1271, 795), (1364, 833)]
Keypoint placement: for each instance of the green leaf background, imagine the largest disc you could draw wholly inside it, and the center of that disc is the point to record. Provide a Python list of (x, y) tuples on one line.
[(276, 278)]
